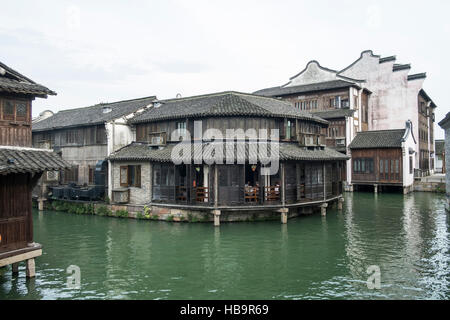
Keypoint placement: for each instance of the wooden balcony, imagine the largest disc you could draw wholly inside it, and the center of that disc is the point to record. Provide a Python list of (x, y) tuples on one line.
[(158, 138)]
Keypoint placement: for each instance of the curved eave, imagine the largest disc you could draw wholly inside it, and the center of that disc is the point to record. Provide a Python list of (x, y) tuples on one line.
[(200, 115)]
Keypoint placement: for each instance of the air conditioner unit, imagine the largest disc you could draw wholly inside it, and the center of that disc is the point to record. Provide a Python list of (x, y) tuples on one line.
[(52, 175), (340, 142), (157, 140)]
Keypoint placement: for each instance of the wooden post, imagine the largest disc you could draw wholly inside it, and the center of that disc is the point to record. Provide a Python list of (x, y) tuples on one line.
[(41, 204), (216, 218), (216, 186), (323, 209), (30, 268), (340, 203), (375, 188), (324, 182), (283, 184), (15, 268), (284, 215)]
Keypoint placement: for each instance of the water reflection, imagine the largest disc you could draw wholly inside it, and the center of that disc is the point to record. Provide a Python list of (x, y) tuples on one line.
[(312, 257)]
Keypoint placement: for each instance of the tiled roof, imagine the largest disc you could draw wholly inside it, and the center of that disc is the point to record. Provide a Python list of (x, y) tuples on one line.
[(399, 67), (22, 160), (227, 103), (440, 146), (378, 139), (445, 123), (12, 81), (91, 115), (417, 76), (287, 151), (327, 85), (333, 114)]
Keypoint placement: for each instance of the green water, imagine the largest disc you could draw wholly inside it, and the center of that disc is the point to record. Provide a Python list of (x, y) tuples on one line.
[(310, 258)]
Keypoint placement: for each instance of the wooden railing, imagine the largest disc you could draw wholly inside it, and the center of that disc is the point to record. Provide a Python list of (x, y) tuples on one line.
[(251, 194), (181, 194), (272, 193), (311, 139), (202, 194), (157, 138)]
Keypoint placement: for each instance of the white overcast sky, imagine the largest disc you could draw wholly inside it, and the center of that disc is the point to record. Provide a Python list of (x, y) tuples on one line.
[(104, 51)]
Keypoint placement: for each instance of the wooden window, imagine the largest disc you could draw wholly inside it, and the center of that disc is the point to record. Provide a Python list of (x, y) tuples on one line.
[(71, 136), (157, 175), (101, 135), (8, 110), (397, 170), (124, 176), (21, 111), (345, 103), (181, 127), (363, 165), (91, 174), (411, 165), (71, 175), (130, 176)]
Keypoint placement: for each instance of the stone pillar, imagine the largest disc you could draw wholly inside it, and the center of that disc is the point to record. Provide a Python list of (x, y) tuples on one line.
[(324, 182), (375, 188), (15, 268), (340, 203), (216, 186), (405, 190), (41, 204), (30, 268), (284, 214), (283, 184), (216, 218), (323, 209)]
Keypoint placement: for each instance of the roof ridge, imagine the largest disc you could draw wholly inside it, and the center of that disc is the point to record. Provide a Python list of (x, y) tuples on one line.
[(386, 130), (15, 73), (196, 96), (106, 104)]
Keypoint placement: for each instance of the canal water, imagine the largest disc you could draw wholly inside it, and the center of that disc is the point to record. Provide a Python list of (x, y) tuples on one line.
[(406, 237)]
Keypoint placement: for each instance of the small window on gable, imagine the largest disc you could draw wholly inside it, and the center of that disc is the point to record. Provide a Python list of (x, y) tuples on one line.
[(130, 176), (8, 110), (21, 111)]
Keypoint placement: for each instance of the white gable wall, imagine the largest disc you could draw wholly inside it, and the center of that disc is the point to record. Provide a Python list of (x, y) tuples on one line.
[(394, 99), (313, 73)]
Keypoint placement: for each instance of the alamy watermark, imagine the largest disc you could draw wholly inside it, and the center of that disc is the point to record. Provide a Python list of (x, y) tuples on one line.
[(374, 280), (236, 147), (74, 279)]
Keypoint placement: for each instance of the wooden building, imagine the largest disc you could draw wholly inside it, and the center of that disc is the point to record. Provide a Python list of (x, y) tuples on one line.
[(440, 156), (214, 177), (20, 168), (84, 137), (384, 158), (382, 93), (340, 100), (445, 125)]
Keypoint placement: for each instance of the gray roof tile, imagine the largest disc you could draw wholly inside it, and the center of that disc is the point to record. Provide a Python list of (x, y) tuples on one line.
[(287, 151), (22, 160), (223, 104), (92, 115), (12, 81), (378, 139), (333, 114), (327, 85)]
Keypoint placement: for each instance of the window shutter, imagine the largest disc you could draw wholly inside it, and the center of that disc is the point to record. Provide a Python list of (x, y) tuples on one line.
[(124, 176), (137, 176)]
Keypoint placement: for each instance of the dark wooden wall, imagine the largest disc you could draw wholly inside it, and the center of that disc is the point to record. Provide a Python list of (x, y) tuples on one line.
[(15, 130), (391, 154), (298, 128), (73, 137), (16, 221)]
